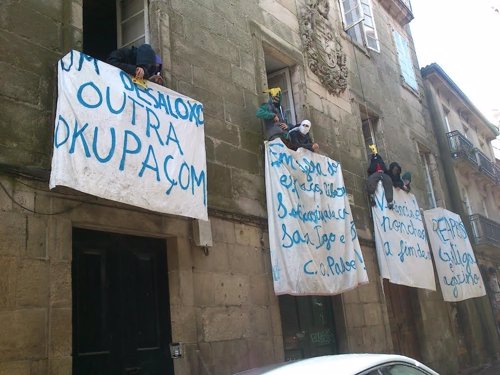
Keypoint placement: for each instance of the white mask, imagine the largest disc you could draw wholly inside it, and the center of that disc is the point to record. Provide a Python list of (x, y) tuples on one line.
[(305, 126)]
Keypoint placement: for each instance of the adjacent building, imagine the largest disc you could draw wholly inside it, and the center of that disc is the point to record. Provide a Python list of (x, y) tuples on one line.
[(472, 178), (90, 286)]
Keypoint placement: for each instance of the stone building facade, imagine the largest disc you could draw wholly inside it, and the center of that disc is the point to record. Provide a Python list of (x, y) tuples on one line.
[(219, 305), (473, 183)]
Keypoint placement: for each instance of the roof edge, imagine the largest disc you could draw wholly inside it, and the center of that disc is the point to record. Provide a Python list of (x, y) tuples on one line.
[(435, 68)]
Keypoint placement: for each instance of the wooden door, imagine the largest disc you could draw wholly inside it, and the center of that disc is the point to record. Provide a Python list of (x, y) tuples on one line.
[(308, 326), (401, 304), (121, 322)]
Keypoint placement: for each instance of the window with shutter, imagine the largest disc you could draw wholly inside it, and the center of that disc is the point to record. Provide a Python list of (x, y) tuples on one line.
[(357, 16), (132, 22), (405, 60)]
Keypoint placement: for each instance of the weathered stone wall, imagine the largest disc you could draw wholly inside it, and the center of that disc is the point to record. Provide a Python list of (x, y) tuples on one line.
[(222, 305)]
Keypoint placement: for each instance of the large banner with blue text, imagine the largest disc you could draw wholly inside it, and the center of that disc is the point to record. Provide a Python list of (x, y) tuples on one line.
[(114, 139), (402, 251), (456, 265), (312, 236)]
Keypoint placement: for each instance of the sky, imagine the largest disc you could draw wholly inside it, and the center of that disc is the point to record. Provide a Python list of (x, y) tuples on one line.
[(463, 37)]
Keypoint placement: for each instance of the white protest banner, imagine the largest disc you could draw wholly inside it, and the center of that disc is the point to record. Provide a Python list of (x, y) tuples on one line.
[(120, 141), (312, 236), (402, 251), (456, 265)]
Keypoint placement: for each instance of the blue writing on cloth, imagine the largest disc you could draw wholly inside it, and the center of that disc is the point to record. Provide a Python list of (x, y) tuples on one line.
[(401, 242), (456, 265), (119, 141), (314, 244)]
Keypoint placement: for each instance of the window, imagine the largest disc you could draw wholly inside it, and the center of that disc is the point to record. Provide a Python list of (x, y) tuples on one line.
[(108, 25), (357, 16), (446, 112), (405, 60), (369, 126), (425, 158), (132, 22), (281, 78)]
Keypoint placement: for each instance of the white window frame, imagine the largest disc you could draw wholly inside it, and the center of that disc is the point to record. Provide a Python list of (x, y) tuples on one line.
[(120, 22), (291, 105), (405, 60), (425, 159), (362, 12), (446, 111)]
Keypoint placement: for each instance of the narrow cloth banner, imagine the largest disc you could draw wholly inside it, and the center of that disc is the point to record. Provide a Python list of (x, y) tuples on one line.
[(456, 265), (313, 239), (402, 251), (144, 146)]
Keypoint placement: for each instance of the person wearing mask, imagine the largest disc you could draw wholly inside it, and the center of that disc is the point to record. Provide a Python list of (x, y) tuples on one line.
[(377, 172), (271, 112), (299, 137), (406, 177)]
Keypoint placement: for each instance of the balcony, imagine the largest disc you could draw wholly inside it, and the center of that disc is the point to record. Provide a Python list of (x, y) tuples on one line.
[(399, 9), (462, 148), (484, 230)]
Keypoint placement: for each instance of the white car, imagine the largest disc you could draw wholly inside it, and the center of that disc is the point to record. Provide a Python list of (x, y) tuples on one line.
[(347, 364)]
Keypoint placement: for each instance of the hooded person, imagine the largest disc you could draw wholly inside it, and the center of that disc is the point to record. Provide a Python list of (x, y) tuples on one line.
[(406, 178), (271, 112), (140, 62), (394, 172), (377, 172), (299, 137)]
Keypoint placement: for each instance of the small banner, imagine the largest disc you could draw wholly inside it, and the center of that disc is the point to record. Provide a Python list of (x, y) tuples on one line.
[(313, 239), (129, 143), (402, 251), (456, 264)]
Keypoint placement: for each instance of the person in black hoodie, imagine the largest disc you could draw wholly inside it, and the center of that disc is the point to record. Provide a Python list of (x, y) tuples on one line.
[(140, 62), (377, 171), (394, 173)]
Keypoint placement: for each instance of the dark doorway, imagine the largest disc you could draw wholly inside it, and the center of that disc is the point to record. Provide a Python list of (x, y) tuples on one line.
[(401, 302), (308, 326), (121, 322), (99, 28)]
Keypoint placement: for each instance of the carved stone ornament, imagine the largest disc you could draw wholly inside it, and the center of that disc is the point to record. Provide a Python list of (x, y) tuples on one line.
[(324, 51)]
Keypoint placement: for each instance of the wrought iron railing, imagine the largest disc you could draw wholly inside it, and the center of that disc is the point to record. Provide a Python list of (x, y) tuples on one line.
[(485, 230), (485, 165), (461, 147)]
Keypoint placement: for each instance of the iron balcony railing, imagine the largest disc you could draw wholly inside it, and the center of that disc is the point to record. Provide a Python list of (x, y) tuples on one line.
[(462, 148), (486, 165), (484, 230)]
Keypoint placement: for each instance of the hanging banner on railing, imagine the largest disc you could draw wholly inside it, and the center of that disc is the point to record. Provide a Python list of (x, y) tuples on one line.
[(312, 236), (456, 265), (114, 139), (402, 251)]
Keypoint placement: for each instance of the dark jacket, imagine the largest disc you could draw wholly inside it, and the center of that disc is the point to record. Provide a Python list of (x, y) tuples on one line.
[(395, 175), (374, 161), (266, 112), (297, 139), (128, 59)]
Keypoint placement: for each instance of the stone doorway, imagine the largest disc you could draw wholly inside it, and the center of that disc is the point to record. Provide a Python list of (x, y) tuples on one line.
[(121, 319)]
